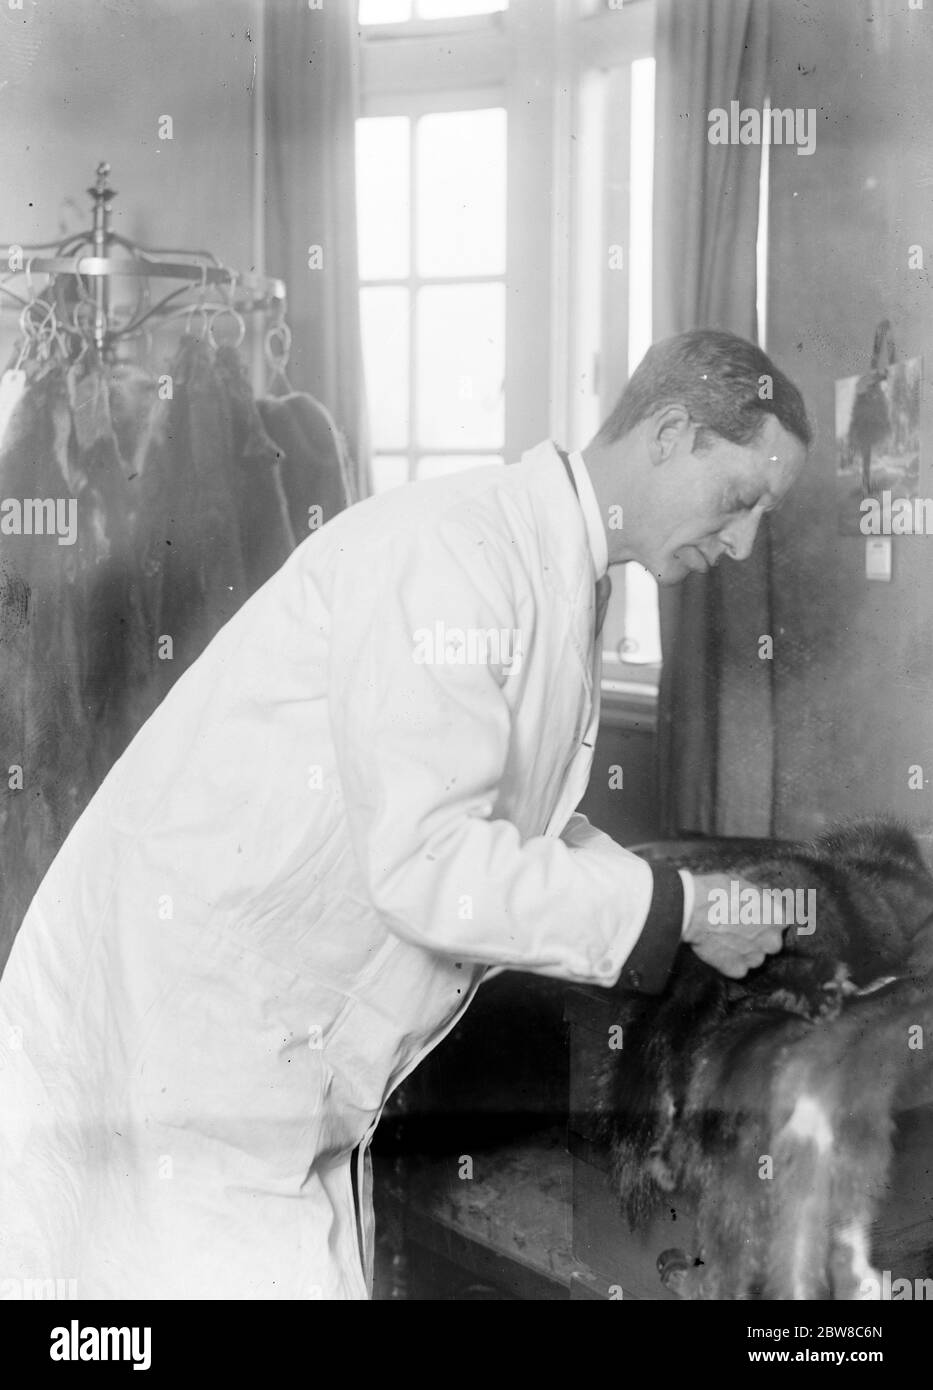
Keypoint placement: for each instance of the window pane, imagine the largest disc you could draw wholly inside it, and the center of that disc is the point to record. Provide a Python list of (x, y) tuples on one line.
[(382, 196), (384, 316), (389, 470), (384, 11), (439, 465), (451, 9), (461, 365), (461, 193), (631, 630), (642, 623)]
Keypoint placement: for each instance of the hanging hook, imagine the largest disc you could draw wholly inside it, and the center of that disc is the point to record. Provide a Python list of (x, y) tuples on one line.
[(277, 361), (57, 337), (205, 318), (84, 294), (81, 319), (25, 318), (199, 308), (219, 313), (47, 334), (23, 352), (27, 273), (227, 291), (39, 333), (84, 349)]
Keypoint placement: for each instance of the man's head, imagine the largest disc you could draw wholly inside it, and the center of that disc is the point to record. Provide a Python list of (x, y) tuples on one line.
[(707, 436)]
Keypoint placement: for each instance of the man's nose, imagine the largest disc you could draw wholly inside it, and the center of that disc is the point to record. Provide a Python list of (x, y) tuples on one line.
[(738, 536)]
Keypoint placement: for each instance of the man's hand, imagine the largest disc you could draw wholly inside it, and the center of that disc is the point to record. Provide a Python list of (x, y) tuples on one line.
[(730, 948)]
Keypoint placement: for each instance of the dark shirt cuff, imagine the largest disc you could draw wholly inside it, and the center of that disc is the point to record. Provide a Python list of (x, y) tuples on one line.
[(650, 962)]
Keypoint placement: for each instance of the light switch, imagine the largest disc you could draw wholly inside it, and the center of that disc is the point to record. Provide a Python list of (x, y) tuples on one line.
[(878, 558)]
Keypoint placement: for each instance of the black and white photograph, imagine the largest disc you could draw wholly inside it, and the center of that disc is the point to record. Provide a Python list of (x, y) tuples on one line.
[(466, 664)]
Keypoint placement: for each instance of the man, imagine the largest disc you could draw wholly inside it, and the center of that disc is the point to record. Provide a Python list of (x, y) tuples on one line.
[(358, 799)]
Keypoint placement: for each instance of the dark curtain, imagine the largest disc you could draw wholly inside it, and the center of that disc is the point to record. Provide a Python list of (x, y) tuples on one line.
[(311, 86), (716, 726)]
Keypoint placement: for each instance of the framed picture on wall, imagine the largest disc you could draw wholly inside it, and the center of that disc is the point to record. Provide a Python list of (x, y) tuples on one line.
[(877, 443)]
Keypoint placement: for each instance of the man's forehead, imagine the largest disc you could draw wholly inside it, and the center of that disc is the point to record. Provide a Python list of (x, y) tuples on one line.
[(779, 453)]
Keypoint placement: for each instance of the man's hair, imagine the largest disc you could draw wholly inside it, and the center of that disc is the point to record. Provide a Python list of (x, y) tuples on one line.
[(726, 383)]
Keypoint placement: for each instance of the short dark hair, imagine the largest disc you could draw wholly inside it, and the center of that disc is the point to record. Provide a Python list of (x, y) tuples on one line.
[(717, 377)]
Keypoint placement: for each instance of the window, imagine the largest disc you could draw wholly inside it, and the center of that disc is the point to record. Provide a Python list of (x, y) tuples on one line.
[(431, 208), (613, 268), (505, 195)]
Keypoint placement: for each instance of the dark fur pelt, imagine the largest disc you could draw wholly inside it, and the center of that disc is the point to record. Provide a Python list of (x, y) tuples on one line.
[(804, 1062)]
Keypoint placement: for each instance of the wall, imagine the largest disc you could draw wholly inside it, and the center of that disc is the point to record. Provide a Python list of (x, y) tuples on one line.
[(102, 72), (853, 658)]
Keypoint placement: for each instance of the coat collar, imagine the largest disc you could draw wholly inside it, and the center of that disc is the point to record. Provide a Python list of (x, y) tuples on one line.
[(573, 518), (569, 565), (591, 514)]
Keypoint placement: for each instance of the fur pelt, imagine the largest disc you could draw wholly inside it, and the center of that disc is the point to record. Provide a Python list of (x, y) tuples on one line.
[(770, 1101)]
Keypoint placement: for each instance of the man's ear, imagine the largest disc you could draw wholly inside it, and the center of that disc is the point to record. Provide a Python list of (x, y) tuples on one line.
[(669, 429)]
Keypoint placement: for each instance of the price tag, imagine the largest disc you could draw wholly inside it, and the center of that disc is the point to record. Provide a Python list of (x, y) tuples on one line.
[(12, 386)]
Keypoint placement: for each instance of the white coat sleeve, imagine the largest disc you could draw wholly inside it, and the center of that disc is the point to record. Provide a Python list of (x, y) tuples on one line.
[(421, 751)]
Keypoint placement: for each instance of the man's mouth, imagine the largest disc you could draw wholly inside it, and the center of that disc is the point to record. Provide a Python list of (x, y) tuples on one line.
[(694, 559)]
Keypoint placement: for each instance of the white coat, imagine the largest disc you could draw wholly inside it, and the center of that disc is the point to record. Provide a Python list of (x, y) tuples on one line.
[(289, 888)]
